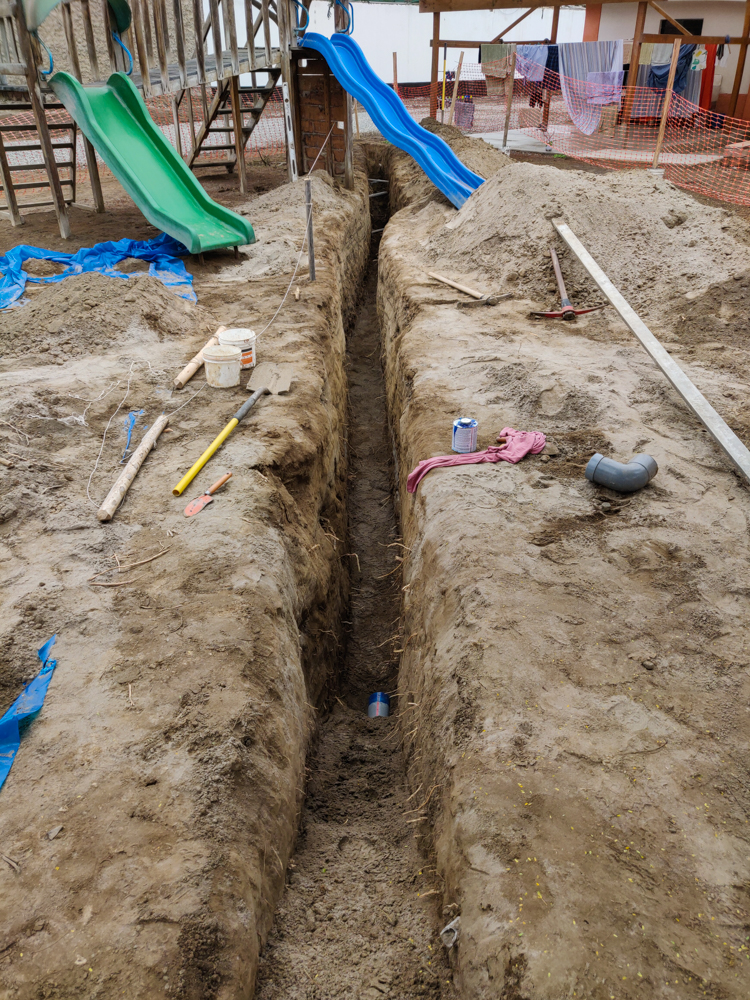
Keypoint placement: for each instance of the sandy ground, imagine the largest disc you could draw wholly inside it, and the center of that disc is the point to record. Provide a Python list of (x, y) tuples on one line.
[(575, 661), (171, 746)]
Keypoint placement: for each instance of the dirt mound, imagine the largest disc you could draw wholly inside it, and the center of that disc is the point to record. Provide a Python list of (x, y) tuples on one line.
[(654, 241), (81, 313), (474, 153)]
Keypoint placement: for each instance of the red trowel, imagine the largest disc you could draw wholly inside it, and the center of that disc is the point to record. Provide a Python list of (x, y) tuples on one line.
[(200, 502), (567, 311)]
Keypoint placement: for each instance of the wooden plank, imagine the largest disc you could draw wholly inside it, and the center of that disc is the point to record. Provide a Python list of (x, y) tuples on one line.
[(555, 24), (627, 108), (12, 69), (108, 36), (266, 16), (199, 41), (179, 37), (10, 194), (434, 67), (444, 6), (239, 138), (88, 31), (727, 440), (740, 63), (93, 166), (230, 34), (191, 120), (216, 33), (668, 17), (395, 73), (161, 44), (7, 9), (510, 27), (140, 46), (509, 98), (250, 33), (456, 82), (667, 100), (348, 144), (149, 38), (700, 39), (37, 107)]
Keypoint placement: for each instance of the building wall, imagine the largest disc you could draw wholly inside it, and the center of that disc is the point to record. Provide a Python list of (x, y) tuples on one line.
[(382, 29), (720, 17)]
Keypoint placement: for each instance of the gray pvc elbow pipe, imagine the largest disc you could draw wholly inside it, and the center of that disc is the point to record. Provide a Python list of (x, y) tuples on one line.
[(640, 470)]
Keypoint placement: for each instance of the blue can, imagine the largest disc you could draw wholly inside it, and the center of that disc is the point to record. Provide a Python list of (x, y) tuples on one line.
[(379, 705), (465, 435)]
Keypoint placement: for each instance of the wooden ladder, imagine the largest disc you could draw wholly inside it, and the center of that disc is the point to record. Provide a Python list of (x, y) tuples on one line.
[(13, 176), (219, 121)]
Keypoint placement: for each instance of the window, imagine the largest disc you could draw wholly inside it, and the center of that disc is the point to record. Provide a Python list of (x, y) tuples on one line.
[(692, 24)]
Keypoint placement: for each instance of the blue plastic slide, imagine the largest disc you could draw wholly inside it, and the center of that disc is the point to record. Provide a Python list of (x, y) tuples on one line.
[(348, 64)]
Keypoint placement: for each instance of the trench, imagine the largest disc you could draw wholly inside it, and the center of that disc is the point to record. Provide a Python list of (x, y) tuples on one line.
[(353, 919)]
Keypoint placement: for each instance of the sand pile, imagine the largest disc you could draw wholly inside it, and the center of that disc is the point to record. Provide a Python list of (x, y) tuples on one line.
[(654, 241), (474, 153), (89, 311)]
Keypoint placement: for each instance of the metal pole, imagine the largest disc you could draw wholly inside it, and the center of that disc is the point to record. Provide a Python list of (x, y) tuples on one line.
[(310, 242)]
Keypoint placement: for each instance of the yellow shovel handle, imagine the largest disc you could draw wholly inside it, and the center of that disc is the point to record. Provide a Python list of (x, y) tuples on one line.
[(212, 449)]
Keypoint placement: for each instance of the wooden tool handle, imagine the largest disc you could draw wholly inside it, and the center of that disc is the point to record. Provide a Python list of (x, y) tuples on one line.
[(121, 487), (218, 484), (192, 367), (454, 284)]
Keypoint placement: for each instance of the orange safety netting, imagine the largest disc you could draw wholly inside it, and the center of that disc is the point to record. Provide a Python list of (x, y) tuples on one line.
[(616, 128)]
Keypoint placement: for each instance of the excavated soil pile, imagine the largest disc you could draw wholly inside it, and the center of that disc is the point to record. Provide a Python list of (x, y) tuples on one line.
[(575, 660), (657, 241)]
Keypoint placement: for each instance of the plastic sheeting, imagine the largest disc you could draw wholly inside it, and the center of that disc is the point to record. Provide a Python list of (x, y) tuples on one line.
[(23, 709), (162, 253)]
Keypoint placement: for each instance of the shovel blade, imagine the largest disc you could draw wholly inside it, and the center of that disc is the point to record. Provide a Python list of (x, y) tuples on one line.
[(198, 504)]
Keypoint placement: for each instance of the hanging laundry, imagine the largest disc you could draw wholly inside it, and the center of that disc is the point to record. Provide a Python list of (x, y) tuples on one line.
[(662, 53), (699, 59), (577, 60), (496, 66), (659, 75), (606, 87), (647, 53), (532, 62)]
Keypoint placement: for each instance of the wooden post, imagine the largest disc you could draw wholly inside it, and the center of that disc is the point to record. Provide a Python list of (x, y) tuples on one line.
[(455, 87), (191, 119), (282, 12), (230, 33), (149, 38), (10, 194), (114, 68), (395, 73), (266, 29), (435, 64), (88, 30), (348, 145), (179, 37), (216, 32), (140, 44), (356, 118), (667, 99), (176, 120), (239, 135), (161, 45), (555, 24), (509, 98), (740, 64), (200, 55), (445, 70), (37, 107), (95, 180), (635, 56)]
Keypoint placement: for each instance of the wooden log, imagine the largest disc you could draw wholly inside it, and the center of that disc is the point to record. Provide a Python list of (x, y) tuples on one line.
[(93, 167), (10, 194), (88, 30), (115, 496), (667, 100), (192, 366), (435, 64), (37, 107), (179, 38), (239, 135), (455, 88), (740, 64)]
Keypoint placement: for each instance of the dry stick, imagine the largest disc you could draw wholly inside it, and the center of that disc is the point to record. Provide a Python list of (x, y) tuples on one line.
[(192, 366), (115, 496), (122, 583), (455, 88), (667, 100), (142, 562)]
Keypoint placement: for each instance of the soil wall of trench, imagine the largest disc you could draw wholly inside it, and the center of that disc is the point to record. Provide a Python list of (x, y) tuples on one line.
[(574, 680), (153, 806)]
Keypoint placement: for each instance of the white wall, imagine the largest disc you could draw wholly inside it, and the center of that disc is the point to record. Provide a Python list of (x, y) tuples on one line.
[(720, 17), (382, 29)]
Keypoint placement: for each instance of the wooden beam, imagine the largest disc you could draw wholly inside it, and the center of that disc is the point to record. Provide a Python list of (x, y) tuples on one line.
[(667, 100), (179, 35), (740, 64), (10, 194), (435, 64), (239, 138), (88, 30), (464, 43), (675, 24), (510, 27), (445, 6), (699, 39), (94, 179), (555, 24)]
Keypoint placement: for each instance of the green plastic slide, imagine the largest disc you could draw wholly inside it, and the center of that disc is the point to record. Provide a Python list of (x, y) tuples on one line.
[(116, 121)]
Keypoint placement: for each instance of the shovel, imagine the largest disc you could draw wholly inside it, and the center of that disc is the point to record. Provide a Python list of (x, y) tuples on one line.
[(273, 378), (567, 312), (200, 502)]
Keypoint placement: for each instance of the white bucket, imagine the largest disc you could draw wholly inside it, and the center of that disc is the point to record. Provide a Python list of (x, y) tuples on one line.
[(222, 365), (245, 340)]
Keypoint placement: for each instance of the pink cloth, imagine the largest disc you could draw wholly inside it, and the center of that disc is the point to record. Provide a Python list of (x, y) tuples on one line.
[(517, 446)]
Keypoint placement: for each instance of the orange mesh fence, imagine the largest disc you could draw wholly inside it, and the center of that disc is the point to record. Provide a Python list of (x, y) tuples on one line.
[(610, 126), (267, 140)]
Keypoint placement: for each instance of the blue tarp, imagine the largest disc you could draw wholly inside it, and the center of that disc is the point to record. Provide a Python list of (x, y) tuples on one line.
[(23, 709), (163, 253)]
